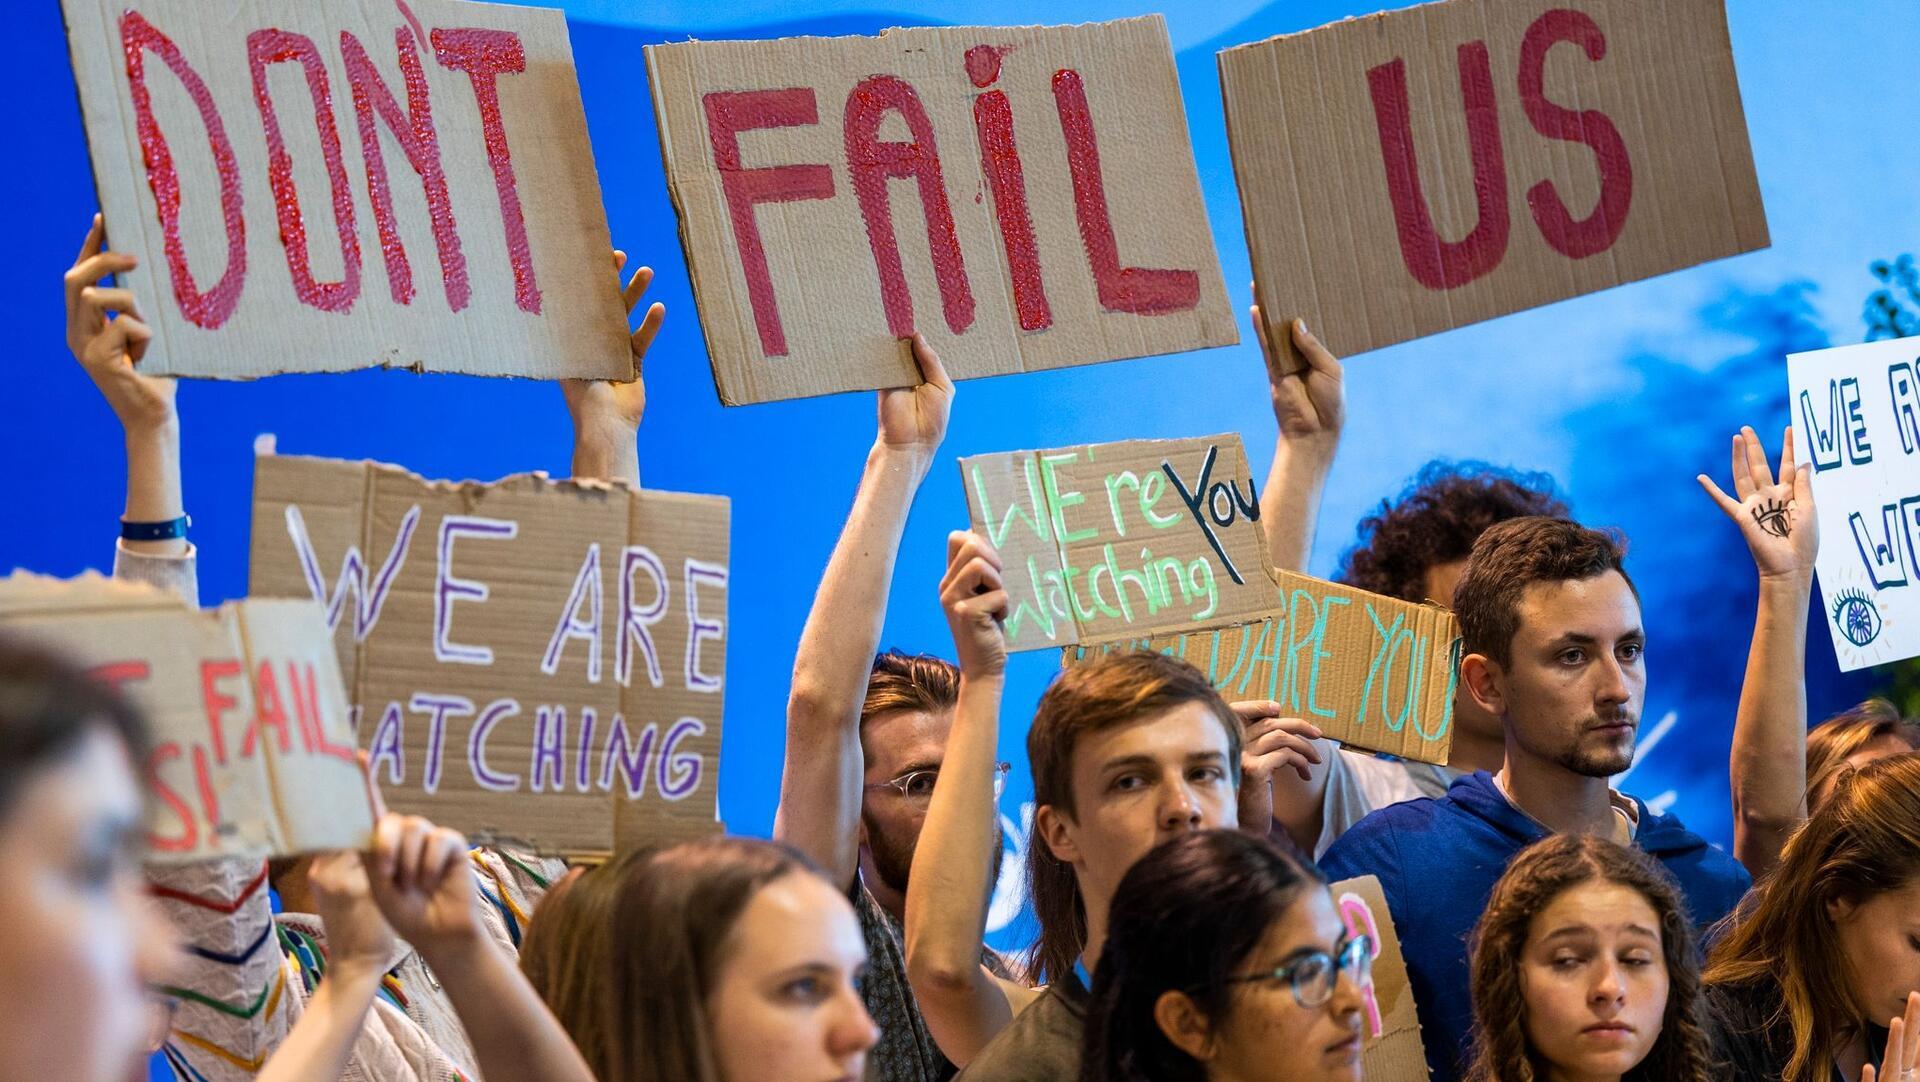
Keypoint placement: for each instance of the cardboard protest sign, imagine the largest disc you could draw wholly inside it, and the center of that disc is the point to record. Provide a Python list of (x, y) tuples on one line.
[(325, 187), (1053, 217), (529, 660), (1157, 544), (252, 753), (1856, 417), (1393, 1048), (1416, 170)]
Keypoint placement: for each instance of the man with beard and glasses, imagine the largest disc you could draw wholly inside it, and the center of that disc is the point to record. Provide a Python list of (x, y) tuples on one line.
[(1553, 646), (866, 735)]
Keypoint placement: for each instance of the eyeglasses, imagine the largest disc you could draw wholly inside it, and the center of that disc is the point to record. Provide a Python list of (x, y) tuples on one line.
[(917, 785), (1313, 976)]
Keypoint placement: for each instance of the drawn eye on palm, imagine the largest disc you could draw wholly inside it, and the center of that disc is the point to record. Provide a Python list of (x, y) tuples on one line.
[(1772, 515)]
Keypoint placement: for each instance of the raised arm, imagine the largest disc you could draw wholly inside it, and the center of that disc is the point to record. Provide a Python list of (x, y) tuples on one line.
[(606, 416), (1283, 773), (948, 891), (820, 787), (1768, 766), (422, 880), (1311, 407), (360, 947)]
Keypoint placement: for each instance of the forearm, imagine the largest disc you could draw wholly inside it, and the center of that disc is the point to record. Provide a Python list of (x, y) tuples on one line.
[(514, 1035), (820, 787), (608, 452), (1768, 764), (321, 1042), (947, 892), (1290, 502), (153, 483)]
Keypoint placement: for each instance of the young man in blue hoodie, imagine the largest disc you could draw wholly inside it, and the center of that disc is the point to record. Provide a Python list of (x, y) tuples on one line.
[(1553, 646)]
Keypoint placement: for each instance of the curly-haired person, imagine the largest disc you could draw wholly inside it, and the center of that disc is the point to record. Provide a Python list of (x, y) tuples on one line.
[(1584, 967), (1414, 547)]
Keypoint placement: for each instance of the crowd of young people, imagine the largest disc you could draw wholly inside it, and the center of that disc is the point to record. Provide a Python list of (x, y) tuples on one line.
[(1552, 927)]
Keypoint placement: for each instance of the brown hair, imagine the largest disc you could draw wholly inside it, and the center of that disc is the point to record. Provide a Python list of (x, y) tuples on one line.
[(1538, 875), (1436, 520), (668, 915), (1100, 694), (1833, 740), (47, 706), (565, 951), (919, 682), (1864, 841), (1514, 555)]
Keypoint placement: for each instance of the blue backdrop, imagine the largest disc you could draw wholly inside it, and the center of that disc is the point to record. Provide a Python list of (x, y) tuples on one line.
[(1623, 396)]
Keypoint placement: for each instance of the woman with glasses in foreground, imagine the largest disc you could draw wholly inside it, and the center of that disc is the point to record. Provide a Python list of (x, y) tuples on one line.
[(1225, 960), (1583, 966)]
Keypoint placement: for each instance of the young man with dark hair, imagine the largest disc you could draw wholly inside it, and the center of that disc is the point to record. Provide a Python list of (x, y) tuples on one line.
[(1127, 751), (1553, 646)]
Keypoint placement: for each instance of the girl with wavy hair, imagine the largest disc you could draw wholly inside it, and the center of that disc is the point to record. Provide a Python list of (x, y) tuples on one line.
[(1583, 967)]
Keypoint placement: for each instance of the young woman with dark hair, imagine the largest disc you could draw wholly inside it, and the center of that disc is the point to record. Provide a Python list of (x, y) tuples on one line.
[(1225, 960), (1583, 967)]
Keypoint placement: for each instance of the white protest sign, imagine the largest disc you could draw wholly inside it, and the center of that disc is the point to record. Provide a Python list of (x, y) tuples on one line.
[(1856, 417)]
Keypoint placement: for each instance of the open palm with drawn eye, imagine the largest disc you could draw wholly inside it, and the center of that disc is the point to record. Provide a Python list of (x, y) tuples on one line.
[(1775, 516)]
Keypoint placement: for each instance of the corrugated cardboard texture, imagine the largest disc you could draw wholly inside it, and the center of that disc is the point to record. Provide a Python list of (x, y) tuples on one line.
[(1856, 418), (1393, 1051), (509, 611), (257, 278), (1109, 540), (1328, 126), (828, 192), (246, 704), (1138, 545)]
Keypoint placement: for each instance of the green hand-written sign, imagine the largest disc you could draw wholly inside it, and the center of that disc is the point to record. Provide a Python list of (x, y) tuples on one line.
[(1157, 544), (1105, 540)]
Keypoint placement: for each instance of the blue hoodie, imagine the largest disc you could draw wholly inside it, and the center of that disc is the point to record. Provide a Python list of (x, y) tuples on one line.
[(1437, 861)]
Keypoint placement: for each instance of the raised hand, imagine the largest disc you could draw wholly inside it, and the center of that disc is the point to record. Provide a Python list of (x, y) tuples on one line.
[(422, 881), (603, 401), (1775, 516), (975, 602), (1310, 404), (915, 418), (1270, 743), (1902, 1058), (358, 938), (108, 337)]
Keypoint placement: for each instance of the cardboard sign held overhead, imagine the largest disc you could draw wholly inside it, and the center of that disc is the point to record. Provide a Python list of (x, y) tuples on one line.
[(1413, 171), (529, 660), (1393, 1048), (1157, 544), (326, 187), (1024, 196), (252, 753), (1856, 417)]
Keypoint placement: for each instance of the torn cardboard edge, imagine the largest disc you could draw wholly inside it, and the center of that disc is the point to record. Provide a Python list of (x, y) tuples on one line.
[(216, 688), (744, 374), (1394, 1050)]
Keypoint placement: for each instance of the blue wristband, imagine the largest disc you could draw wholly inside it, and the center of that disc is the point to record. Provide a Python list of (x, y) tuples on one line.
[(155, 531)]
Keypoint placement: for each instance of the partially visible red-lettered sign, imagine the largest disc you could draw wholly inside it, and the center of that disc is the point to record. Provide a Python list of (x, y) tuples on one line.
[(1025, 197), (1413, 171), (325, 187)]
